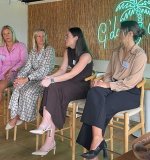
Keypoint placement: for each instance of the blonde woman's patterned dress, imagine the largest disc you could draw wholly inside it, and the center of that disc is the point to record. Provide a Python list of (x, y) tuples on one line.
[(23, 99)]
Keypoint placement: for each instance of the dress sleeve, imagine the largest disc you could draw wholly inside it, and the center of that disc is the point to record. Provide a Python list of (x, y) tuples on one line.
[(135, 76), (26, 69), (46, 66)]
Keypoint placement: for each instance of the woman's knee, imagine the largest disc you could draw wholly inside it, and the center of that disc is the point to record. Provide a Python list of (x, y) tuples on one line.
[(97, 91)]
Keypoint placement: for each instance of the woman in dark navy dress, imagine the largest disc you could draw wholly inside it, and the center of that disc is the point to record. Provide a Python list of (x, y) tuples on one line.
[(63, 87)]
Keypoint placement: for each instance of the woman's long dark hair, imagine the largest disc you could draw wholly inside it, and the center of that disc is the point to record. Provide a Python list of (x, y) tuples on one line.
[(127, 26), (81, 46)]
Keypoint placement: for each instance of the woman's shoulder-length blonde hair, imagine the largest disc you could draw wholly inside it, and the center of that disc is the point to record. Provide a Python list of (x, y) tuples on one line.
[(14, 39), (34, 43)]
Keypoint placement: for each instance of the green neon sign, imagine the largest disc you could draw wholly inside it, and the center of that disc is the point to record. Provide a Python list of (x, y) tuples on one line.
[(140, 8), (148, 30), (104, 35), (134, 7)]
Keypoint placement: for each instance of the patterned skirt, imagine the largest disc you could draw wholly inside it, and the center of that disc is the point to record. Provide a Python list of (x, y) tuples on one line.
[(23, 101)]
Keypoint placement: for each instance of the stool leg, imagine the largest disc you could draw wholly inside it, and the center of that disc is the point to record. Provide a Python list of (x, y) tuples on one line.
[(73, 132), (43, 138), (7, 119), (84, 151), (7, 134), (25, 125), (5, 109), (62, 133), (37, 142), (70, 125), (111, 137), (15, 133), (38, 122), (142, 121), (126, 133)]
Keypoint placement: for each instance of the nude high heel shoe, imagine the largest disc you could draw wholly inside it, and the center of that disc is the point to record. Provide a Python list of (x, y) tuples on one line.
[(44, 153), (19, 122), (8, 126), (45, 124), (41, 130)]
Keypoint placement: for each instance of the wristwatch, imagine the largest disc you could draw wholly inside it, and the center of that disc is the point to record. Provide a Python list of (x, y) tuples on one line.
[(52, 80)]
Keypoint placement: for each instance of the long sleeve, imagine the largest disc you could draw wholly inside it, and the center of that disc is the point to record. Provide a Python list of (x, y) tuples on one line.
[(23, 54), (46, 66), (135, 75)]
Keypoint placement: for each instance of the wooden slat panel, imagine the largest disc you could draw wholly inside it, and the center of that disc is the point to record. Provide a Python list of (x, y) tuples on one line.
[(57, 17)]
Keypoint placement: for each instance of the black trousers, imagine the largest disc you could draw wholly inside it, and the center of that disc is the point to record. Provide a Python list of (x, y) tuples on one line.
[(101, 105)]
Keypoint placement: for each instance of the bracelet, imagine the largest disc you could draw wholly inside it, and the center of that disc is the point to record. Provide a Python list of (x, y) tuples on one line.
[(52, 80)]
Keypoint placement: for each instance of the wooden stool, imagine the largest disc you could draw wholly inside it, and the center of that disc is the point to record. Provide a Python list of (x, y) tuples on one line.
[(122, 120)]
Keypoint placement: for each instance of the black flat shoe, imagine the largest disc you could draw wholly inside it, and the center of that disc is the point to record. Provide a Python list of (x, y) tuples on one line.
[(93, 153)]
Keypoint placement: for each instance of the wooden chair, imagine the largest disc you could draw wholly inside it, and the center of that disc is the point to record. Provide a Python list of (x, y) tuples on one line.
[(122, 121), (76, 107), (6, 98)]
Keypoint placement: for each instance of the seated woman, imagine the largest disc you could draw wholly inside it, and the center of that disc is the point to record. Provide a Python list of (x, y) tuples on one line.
[(63, 87), (112, 95), (13, 55), (27, 84), (141, 147)]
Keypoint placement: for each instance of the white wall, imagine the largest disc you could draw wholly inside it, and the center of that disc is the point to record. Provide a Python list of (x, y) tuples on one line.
[(15, 14), (101, 65)]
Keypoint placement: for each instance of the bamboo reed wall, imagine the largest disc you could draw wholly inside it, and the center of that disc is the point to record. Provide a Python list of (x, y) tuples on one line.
[(57, 17)]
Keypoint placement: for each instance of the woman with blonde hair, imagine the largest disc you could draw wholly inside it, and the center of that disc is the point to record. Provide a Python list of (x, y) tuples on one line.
[(27, 84), (13, 55)]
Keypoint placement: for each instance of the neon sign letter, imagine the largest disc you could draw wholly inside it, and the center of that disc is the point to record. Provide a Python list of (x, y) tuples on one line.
[(102, 37), (148, 30), (114, 34)]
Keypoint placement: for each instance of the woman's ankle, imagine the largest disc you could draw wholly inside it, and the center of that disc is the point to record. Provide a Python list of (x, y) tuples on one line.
[(48, 145), (13, 121), (95, 143)]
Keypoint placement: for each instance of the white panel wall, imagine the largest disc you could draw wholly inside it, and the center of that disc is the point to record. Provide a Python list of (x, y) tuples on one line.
[(101, 66), (15, 14)]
